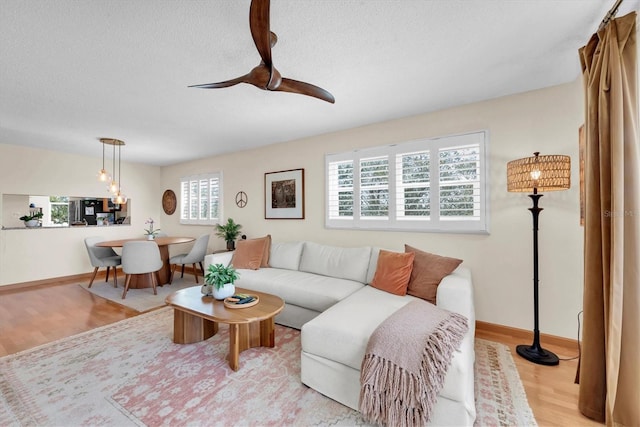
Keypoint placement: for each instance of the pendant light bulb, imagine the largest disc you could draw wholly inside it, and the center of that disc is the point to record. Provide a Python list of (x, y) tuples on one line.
[(120, 199), (103, 175), (113, 187)]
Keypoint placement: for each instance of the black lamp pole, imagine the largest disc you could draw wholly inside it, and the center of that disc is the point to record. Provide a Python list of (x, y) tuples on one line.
[(534, 352)]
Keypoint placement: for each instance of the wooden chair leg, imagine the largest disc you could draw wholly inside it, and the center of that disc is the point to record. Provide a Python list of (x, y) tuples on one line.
[(182, 274), (201, 269), (115, 277), (195, 272), (173, 270), (95, 271), (127, 280), (154, 281), (107, 279)]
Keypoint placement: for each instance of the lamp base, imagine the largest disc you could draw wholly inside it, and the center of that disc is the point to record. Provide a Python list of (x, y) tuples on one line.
[(537, 355)]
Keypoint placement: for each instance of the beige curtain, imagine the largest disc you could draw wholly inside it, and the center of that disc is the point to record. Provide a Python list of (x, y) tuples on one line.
[(609, 370)]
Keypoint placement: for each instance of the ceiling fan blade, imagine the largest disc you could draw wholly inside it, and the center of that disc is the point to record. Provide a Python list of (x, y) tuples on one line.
[(260, 29), (264, 75), (295, 86), (232, 82)]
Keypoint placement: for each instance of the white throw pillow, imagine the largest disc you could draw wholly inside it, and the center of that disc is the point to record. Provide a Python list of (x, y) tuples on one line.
[(373, 264), (285, 255), (333, 261)]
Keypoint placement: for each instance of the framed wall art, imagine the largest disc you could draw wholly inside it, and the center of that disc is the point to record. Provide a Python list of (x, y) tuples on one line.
[(284, 194)]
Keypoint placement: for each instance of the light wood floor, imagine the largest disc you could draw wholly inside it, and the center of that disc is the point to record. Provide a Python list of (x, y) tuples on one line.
[(37, 315), (551, 391)]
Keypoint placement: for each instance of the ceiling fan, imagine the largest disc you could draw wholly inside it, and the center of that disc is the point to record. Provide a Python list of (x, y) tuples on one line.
[(265, 76)]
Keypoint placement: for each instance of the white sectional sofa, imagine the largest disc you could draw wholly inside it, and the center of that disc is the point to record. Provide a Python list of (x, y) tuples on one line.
[(327, 297)]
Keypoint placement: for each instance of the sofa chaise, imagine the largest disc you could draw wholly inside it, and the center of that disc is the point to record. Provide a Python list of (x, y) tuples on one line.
[(328, 297)]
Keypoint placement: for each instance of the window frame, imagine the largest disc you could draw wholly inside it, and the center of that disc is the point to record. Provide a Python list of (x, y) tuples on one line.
[(200, 177), (435, 222), (50, 222)]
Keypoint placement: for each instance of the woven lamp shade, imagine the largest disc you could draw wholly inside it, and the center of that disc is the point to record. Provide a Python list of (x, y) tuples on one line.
[(539, 173)]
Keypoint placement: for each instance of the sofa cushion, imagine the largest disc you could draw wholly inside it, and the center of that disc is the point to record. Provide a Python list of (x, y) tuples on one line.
[(341, 333), (428, 271), (333, 261), (393, 272), (327, 337), (373, 263), (223, 258), (307, 290), (285, 255), (249, 254)]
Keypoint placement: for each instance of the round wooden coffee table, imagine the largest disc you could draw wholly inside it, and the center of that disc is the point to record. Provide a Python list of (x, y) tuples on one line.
[(196, 318)]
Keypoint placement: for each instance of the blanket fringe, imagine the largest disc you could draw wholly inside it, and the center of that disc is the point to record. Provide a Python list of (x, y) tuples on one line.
[(393, 396)]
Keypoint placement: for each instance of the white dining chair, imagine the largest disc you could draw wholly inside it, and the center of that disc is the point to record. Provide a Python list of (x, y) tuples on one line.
[(195, 255), (102, 257), (141, 257)]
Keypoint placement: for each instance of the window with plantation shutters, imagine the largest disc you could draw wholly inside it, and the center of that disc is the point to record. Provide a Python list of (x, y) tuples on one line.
[(201, 199), (434, 185), (413, 186), (374, 187), (459, 176)]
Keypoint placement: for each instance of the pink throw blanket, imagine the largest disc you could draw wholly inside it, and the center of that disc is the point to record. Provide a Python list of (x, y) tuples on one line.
[(405, 363)]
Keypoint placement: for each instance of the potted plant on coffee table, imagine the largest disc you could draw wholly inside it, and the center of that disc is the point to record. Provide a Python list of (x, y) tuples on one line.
[(219, 281), (229, 232)]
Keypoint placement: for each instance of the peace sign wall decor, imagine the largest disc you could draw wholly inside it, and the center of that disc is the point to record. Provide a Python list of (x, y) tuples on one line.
[(241, 199)]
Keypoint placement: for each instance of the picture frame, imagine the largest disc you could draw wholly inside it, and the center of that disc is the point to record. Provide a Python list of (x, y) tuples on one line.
[(284, 194)]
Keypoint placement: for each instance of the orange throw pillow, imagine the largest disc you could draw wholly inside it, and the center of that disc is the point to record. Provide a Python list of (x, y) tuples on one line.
[(248, 254), (393, 272), (267, 250), (428, 271)]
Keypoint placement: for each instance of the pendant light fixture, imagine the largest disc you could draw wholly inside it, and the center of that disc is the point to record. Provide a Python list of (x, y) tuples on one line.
[(103, 175), (119, 198), (115, 187)]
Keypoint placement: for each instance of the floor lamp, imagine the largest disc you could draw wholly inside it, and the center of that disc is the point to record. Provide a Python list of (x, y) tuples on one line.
[(532, 175)]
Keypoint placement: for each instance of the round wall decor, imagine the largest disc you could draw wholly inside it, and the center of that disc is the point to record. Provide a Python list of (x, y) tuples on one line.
[(241, 199), (169, 202)]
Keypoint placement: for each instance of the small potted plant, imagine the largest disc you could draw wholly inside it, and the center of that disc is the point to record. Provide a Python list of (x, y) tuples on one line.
[(31, 220), (219, 281), (229, 232), (150, 232)]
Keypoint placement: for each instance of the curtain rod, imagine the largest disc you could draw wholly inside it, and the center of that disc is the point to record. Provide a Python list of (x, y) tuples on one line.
[(611, 14)]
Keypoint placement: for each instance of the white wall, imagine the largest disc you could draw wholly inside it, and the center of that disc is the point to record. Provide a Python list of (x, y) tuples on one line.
[(546, 120), (34, 254)]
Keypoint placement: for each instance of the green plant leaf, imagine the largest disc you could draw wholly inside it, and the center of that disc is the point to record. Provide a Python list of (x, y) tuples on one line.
[(229, 231), (218, 275)]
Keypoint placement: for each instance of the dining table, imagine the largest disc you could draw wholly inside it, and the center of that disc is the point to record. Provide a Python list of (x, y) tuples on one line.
[(163, 242)]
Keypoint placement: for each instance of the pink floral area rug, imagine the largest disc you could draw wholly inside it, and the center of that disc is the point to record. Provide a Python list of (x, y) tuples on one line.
[(130, 373)]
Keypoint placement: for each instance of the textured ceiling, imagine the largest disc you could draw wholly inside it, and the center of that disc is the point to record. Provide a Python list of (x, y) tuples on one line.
[(74, 71)]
